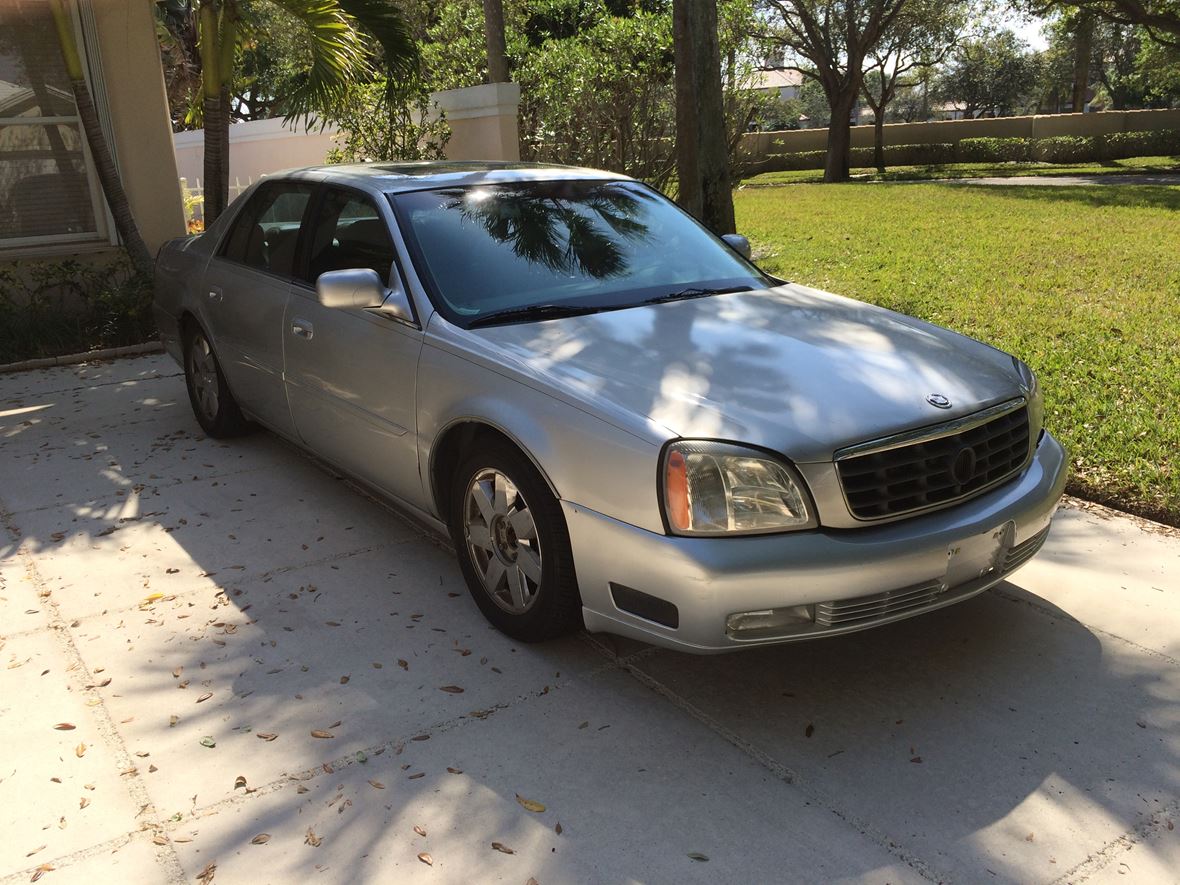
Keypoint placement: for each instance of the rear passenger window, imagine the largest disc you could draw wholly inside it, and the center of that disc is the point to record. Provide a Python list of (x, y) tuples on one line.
[(265, 234), (348, 234)]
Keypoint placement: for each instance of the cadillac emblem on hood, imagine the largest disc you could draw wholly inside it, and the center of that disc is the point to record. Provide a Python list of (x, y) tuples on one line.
[(938, 401)]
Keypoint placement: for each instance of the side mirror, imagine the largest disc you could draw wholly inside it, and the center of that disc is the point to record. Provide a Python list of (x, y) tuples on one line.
[(350, 288), (739, 244), (362, 289)]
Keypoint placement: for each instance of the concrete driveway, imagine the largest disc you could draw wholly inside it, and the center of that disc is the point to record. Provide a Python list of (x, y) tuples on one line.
[(268, 677)]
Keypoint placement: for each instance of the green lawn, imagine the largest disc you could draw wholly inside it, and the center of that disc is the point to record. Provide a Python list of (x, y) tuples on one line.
[(1081, 282), (1132, 166)]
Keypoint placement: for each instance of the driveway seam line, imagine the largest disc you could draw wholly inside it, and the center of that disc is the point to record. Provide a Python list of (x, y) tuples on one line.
[(63, 861), (780, 770), (78, 673), (1119, 845), (158, 377)]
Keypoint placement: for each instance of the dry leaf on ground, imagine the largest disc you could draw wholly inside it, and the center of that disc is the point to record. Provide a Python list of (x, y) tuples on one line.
[(260, 839), (419, 831), (266, 735), (426, 859), (312, 839), (320, 733), (65, 726), (529, 804), (502, 848)]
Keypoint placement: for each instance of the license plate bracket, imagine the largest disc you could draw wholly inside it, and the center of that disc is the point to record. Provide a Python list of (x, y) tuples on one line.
[(979, 555)]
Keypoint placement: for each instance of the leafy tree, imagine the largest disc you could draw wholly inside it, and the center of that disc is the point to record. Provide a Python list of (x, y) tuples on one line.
[(989, 77), (1159, 18), (831, 39), (921, 36), (379, 123)]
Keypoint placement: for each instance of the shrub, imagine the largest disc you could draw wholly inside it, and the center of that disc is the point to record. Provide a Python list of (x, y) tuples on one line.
[(795, 162), (1156, 143), (54, 308), (1067, 149), (993, 150)]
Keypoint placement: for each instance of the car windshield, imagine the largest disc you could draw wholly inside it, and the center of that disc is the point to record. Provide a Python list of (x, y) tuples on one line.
[(532, 250)]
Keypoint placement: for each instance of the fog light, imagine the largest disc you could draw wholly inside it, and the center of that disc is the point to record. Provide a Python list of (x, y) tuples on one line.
[(748, 625)]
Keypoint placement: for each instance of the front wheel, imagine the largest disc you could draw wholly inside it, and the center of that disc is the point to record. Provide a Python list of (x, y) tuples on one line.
[(513, 547), (213, 404)]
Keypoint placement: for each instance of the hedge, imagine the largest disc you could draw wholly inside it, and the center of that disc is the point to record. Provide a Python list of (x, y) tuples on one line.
[(1057, 149)]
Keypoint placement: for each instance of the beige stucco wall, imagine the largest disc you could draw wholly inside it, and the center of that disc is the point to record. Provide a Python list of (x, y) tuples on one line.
[(138, 107), (759, 144), (256, 148), (483, 121)]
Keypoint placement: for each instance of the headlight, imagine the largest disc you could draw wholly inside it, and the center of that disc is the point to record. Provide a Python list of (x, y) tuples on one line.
[(720, 489), (1036, 399)]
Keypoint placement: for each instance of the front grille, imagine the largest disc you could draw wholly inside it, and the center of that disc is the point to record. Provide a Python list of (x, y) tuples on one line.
[(1025, 550), (860, 609), (935, 470)]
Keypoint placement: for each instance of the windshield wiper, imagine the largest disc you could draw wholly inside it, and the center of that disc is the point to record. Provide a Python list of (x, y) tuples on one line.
[(696, 292), (532, 312)]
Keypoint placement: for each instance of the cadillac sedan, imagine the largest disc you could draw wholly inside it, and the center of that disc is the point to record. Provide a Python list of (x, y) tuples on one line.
[(621, 422)]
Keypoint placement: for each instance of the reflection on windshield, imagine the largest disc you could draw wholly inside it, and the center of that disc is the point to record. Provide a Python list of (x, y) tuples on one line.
[(559, 247), (566, 232)]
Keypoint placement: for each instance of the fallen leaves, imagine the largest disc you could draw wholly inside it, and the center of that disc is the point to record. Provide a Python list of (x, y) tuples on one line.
[(41, 871), (266, 735), (320, 733), (260, 839), (206, 875), (502, 848), (80, 750), (426, 858), (239, 781), (207, 741), (312, 839), (698, 857), (451, 770), (204, 697), (65, 726), (529, 804), (809, 730), (405, 665), (451, 689), (376, 785)]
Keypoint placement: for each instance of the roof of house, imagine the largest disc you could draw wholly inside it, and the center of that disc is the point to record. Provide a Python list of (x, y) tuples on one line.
[(776, 78)]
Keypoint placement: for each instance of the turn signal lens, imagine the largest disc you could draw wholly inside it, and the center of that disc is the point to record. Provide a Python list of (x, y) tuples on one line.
[(676, 483)]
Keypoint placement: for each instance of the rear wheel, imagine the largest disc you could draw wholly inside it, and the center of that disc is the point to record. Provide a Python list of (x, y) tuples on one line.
[(513, 547), (214, 405)]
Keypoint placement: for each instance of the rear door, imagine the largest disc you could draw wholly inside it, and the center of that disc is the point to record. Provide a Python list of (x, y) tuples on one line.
[(246, 286), (350, 373)]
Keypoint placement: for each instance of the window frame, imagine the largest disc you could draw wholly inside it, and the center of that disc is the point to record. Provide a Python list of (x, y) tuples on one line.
[(104, 234), (303, 254)]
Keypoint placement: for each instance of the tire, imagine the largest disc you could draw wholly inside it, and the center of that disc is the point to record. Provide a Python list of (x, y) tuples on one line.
[(508, 531), (213, 404)]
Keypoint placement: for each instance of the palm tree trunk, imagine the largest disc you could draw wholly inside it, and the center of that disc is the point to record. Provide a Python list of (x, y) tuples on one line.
[(217, 40), (493, 23), (104, 164)]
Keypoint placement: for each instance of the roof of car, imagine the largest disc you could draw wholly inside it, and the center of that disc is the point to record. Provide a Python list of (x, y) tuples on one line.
[(392, 177)]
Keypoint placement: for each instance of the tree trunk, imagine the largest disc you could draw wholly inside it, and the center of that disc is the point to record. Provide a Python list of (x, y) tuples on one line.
[(493, 24), (1083, 41), (836, 164), (217, 43), (879, 138), (702, 158), (104, 164), (214, 162)]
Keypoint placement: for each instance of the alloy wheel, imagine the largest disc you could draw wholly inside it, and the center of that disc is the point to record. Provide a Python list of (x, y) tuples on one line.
[(502, 540)]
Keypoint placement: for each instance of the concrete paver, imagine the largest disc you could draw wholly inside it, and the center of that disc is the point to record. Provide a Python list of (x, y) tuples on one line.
[(229, 590)]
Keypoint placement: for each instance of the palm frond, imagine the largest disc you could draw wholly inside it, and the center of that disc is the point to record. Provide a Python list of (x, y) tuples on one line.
[(388, 25), (338, 54)]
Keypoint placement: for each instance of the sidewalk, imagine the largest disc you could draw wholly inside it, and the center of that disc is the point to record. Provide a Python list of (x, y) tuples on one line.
[(271, 678)]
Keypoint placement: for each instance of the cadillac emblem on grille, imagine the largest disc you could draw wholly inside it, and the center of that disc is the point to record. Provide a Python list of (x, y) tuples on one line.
[(938, 401), (963, 465)]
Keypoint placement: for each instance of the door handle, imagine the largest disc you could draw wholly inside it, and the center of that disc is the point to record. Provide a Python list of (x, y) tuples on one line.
[(302, 328), (214, 293)]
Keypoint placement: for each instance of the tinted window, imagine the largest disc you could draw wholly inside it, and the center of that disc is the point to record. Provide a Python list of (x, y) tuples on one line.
[(487, 249), (348, 233), (265, 234)]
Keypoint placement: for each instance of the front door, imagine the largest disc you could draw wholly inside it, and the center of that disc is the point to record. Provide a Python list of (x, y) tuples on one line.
[(350, 373), (247, 286)]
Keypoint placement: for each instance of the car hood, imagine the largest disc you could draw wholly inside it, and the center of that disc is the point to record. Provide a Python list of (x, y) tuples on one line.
[(791, 369)]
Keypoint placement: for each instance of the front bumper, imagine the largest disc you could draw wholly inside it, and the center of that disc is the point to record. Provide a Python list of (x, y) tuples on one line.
[(920, 564)]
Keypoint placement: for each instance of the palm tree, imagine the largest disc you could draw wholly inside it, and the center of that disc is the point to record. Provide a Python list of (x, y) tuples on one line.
[(339, 59), (104, 164)]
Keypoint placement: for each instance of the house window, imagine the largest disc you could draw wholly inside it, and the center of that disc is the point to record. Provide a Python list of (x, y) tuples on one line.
[(47, 189)]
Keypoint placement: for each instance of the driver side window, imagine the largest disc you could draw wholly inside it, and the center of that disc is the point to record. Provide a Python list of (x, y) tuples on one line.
[(348, 233)]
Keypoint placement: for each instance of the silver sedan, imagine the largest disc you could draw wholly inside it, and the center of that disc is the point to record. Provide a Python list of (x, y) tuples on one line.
[(620, 421)]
